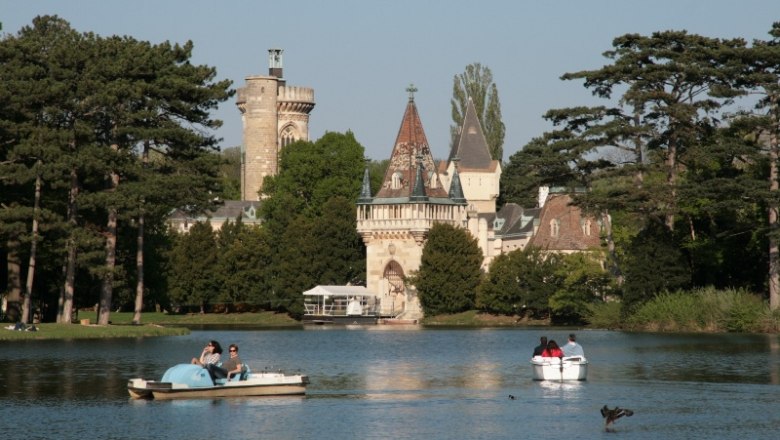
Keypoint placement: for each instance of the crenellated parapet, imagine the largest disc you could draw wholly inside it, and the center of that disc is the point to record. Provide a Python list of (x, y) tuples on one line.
[(295, 100), (296, 94)]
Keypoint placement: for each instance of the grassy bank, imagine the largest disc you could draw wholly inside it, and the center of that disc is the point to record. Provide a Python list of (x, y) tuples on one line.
[(77, 331), (474, 318), (152, 324), (259, 319)]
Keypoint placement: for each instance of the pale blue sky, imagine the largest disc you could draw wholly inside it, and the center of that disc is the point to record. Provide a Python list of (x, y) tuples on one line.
[(360, 55)]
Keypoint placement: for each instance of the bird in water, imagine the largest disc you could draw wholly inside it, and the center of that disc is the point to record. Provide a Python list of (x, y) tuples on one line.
[(611, 415), (511, 397)]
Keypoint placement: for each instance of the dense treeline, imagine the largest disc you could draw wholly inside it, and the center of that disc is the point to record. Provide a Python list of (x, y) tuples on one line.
[(680, 164), (102, 137)]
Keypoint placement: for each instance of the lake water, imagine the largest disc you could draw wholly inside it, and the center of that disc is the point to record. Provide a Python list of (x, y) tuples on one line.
[(402, 383)]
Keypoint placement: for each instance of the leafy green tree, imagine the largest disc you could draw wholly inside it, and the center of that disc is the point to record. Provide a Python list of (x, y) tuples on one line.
[(536, 276), (341, 256), (291, 271), (499, 291), (192, 278), (476, 82), (230, 174), (376, 172), (310, 173), (582, 282), (322, 250), (244, 264), (450, 271)]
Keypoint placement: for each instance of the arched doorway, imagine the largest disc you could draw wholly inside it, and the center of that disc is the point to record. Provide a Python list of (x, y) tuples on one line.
[(396, 291)]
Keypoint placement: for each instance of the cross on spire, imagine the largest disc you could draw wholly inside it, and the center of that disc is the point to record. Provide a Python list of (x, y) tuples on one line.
[(411, 89)]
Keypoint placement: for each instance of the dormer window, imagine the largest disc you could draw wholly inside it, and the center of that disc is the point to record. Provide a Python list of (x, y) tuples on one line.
[(397, 179), (585, 225), (555, 226)]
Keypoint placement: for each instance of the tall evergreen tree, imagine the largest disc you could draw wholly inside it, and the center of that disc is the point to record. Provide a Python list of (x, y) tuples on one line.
[(761, 76), (675, 83)]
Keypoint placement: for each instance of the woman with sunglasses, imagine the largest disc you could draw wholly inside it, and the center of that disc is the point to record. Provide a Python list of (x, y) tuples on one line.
[(210, 356), (229, 368)]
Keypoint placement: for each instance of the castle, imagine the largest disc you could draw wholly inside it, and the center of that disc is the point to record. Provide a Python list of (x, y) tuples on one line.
[(462, 191), (416, 192)]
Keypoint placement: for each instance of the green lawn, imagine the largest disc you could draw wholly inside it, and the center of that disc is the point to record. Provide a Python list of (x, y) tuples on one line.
[(269, 319), (152, 324), (77, 331)]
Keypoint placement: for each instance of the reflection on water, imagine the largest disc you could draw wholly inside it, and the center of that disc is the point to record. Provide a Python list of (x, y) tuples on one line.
[(383, 381)]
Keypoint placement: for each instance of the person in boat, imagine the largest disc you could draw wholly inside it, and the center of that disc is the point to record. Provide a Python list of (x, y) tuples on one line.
[(552, 350), (211, 355), (572, 348), (539, 349), (230, 368)]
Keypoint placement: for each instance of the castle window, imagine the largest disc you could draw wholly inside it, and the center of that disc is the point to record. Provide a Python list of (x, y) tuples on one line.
[(396, 180), (555, 226), (287, 136), (585, 225)]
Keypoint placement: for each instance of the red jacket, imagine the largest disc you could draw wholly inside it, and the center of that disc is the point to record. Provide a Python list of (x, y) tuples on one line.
[(555, 353)]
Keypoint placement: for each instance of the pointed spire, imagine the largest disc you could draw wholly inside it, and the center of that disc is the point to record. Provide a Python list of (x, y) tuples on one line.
[(365, 192), (471, 146), (399, 178), (418, 194), (456, 191)]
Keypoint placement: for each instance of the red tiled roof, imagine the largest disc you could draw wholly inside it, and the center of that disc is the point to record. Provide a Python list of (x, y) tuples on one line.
[(410, 143)]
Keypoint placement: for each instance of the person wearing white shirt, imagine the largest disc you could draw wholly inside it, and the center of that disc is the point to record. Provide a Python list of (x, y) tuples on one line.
[(572, 348)]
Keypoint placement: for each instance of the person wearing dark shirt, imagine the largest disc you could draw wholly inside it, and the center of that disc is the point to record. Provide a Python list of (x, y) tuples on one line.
[(540, 348), (230, 368)]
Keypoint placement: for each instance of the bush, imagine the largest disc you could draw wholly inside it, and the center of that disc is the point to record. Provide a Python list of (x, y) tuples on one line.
[(705, 309), (604, 315)]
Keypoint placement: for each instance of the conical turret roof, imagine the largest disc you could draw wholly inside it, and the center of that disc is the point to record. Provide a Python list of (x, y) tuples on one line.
[(365, 191), (456, 191), (471, 146), (400, 177)]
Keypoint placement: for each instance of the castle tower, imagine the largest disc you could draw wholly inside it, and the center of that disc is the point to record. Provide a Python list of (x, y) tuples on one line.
[(273, 116), (480, 176), (395, 223)]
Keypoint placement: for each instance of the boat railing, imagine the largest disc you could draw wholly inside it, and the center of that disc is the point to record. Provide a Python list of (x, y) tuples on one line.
[(339, 306)]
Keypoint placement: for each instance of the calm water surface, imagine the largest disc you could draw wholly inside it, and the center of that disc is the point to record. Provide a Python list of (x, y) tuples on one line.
[(402, 383)]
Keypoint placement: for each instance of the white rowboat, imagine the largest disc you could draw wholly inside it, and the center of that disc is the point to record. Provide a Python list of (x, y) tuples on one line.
[(559, 369)]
